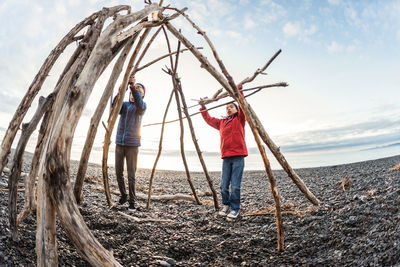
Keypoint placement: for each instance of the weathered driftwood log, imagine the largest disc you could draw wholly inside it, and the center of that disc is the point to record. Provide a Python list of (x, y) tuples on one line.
[(95, 120), (36, 86), (55, 174), (27, 130)]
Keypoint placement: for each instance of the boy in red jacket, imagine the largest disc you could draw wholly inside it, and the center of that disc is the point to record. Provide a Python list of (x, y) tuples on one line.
[(233, 150)]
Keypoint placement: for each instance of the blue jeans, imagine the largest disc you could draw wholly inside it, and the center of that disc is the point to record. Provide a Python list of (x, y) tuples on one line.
[(232, 172)]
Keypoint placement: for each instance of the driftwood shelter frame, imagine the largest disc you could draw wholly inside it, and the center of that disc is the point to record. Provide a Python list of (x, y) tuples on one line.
[(61, 110)]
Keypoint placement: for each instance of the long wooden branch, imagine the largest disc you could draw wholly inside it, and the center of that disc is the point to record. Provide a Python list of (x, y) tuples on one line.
[(160, 58), (218, 96), (244, 108), (95, 120), (174, 78), (196, 113), (196, 144), (27, 130), (159, 150), (36, 86)]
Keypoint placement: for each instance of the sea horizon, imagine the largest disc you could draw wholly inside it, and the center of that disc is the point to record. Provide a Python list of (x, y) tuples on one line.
[(302, 156)]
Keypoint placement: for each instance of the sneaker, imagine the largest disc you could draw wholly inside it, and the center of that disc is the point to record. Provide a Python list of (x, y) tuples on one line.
[(132, 208), (233, 214), (224, 211), (123, 199)]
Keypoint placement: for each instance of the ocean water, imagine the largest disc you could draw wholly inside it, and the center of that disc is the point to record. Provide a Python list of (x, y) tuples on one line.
[(172, 160)]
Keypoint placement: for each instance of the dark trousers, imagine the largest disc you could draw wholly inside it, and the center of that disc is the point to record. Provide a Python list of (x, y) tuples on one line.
[(130, 154)]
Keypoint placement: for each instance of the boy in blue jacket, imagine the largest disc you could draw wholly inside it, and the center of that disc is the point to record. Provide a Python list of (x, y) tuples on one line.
[(128, 140)]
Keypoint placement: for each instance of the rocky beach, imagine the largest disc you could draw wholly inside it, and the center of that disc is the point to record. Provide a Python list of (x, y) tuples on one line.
[(357, 223)]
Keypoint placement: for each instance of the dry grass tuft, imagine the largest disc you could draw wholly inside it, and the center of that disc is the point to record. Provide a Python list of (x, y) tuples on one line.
[(396, 168), (346, 183), (93, 179)]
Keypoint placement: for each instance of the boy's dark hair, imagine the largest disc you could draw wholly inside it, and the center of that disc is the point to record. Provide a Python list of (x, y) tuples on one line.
[(237, 108)]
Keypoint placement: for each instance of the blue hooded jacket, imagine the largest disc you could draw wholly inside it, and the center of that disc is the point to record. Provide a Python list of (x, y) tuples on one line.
[(130, 120)]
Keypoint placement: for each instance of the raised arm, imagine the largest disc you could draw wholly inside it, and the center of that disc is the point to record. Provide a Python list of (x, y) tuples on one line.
[(213, 122)]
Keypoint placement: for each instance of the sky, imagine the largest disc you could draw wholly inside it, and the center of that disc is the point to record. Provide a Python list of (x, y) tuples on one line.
[(340, 59)]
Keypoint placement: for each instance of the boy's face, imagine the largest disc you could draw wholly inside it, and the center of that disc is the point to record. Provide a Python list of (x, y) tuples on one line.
[(231, 109)]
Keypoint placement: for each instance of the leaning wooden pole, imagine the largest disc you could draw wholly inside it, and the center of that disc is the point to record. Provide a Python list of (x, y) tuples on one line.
[(159, 151), (114, 114), (27, 130), (278, 155), (35, 87), (95, 120), (196, 145), (173, 74)]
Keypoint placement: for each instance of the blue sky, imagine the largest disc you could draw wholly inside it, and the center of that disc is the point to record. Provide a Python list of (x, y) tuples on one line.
[(340, 58)]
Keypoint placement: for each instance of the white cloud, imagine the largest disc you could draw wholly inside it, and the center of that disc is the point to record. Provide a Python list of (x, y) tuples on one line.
[(291, 29), (334, 47), (310, 31), (350, 48), (235, 35), (352, 16), (335, 2), (398, 35), (249, 22)]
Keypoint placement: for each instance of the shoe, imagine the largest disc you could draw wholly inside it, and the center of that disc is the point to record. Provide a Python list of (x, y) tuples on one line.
[(224, 211), (132, 208), (123, 199), (233, 214)]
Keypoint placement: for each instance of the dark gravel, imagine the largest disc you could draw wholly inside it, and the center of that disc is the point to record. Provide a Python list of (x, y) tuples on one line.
[(356, 227)]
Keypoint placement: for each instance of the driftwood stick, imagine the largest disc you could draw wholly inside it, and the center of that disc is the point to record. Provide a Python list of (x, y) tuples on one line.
[(172, 72), (196, 144), (115, 111), (160, 58), (94, 121), (217, 96), (27, 130), (145, 49), (259, 71), (143, 220), (36, 86), (244, 108), (159, 150), (167, 197), (193, 114)]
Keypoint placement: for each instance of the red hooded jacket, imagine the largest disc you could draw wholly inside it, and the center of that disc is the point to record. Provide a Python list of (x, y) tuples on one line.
[(231, 131)]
